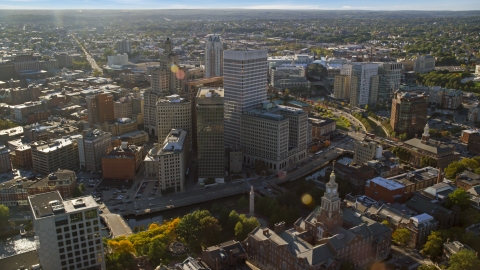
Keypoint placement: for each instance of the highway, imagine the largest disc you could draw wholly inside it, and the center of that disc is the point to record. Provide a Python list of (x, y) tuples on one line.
[(90, 59)]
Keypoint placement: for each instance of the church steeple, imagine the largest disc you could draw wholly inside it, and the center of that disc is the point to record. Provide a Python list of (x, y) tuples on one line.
[(331, 214), (426, 134)]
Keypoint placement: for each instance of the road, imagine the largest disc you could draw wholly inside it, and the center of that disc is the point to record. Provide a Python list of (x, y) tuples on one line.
[(90, 59), (350, 117), (380, 125), (411, 259)]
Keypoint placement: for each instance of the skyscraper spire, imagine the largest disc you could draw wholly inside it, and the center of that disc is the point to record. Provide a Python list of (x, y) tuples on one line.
[(332, 175)]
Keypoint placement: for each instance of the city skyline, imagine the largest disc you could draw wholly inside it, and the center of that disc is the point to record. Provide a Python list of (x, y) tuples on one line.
[(248, 4)]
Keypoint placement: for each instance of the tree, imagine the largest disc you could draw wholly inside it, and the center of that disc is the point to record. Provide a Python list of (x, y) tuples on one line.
[(211, 231), (156, 250), (242, 203), (366, 108), (386, 223), (459, 197), (238, 230), (4, 214), (96, 73), (427, 267), (77, 192), (403, 136), (81, 187), (433, 246), (465, 259), (189, 228), (426, 161), (401, 236)]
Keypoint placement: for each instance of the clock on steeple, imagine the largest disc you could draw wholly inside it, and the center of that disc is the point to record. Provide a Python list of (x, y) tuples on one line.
[(331, 214)]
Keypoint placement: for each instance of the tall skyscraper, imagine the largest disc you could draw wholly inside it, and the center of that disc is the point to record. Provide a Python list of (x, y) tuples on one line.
[(100, 108), (363, 81), (213, 57), (211, 153), (409, 113), (245, 86), (390, 75), (124, 46), (174, 112), (67, 232), (165, 81)]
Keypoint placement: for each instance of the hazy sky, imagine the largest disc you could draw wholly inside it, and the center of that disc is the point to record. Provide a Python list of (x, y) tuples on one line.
[(247, 4)]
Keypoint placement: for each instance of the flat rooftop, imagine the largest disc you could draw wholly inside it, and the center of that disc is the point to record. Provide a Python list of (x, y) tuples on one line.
[(386, 183), (51, 203), (15, 262), (174, 141)]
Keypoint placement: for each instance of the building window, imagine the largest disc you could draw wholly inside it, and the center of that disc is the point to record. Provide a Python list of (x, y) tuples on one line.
[(91, 214), (77, 217), (60, 221)]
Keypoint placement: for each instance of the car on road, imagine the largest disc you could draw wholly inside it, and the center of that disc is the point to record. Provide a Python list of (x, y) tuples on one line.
[(151, 198), (151, 204)]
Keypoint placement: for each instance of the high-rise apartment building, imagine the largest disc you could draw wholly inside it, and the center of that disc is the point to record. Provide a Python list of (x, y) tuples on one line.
[(274, 136), (92, 147), (64, 60), (48, 157), (124, 46), (100, 108), (362, 78), (210, 148), (174, 113), (167, 162), (213, 57), (409, 113), (165, 81), (245, 85), (67, 232)]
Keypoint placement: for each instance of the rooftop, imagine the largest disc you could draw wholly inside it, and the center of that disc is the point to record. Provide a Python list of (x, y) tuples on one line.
[(386, 183), (422, 218), (174, 141), (25, 259), (51, 203), (431, 146)]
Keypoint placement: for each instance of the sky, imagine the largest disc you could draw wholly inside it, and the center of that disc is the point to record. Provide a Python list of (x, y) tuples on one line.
[(245, 4)]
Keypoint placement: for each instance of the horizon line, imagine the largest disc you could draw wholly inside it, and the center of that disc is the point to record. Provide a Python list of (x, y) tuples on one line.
[(239, 8)]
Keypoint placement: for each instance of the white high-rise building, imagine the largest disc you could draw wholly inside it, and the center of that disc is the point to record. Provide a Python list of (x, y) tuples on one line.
[(363, 82), (67, 232), (245, 87), (213, 57)]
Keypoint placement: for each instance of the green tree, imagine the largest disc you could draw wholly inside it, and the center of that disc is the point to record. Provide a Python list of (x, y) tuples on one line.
[(81, 187), (238, 230), (156, 250), (386, 223), (77, 192), (190, 229), (426, 161), (4, 215), (366, 108), (403, 136), (211, 231), (465, 259), (434, 245), (459, 197), (116, 261), (242, 203), (427, 267), (401, 236), (96, 73)]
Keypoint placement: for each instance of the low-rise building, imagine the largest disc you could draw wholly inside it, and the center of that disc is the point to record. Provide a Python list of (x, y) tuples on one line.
[(451, 248), (388, 191), (63, 181), (119, 127), (445, 217), (357, 175), (122, 162), (365, 151), (472, 138), (167, 162), (467, 179), (321, 126), (420, 227), (225, 255), (417, 180), (22, 157)]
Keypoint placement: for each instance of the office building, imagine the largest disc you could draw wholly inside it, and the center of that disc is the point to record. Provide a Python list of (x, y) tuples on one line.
[(100, 108), (274, 137), (30, 112), (22, 157), (365, 151), (48, 157), (446, 98), (117, 60), (7, 70), (174, 113), (329, 236), (288, 76), (363, 82), (122, 162), (472, 138), (321, 126), (342, 86), (120, 126), (164, 82), (167, 162), (92, 147), (124, 46), (245, 86), (5, 162), (409, 113), (390, 76), (213, 57), (67, 232), (123, 107), (210, 148)]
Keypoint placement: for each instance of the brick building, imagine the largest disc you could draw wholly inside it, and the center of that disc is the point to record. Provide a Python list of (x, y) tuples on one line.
[(467, 179), (225, 255), (388, 191), (122, 162), (356, 174), (323, 240), (443, 154), (64, 181), (321, 126), (445, 217), (409, 113), (5, 162), (472, 138), (22, 157)]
